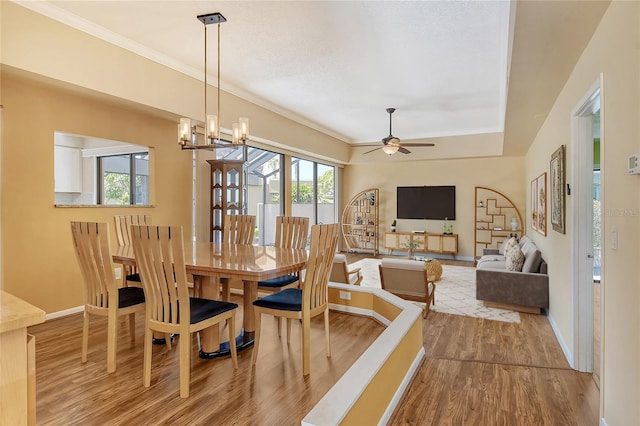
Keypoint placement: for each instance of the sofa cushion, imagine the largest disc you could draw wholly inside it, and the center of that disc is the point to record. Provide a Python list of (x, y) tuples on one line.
[(532, 261), (523, 240), (491, 261), (514, 258)]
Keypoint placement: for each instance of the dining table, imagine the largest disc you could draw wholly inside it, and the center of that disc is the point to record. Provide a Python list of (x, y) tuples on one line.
[(210, 263)]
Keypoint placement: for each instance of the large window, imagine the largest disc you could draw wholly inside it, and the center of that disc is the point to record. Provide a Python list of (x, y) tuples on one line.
[(123, 179), (313, 190)]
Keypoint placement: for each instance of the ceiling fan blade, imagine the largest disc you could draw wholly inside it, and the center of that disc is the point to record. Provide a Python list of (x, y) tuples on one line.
[(403, 150), (380, 147), (419, 144)]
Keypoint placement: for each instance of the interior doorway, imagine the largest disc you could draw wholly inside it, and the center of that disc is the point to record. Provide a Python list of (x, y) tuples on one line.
[(586, 254)]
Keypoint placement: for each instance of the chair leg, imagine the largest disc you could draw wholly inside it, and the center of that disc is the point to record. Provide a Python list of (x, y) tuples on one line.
[(256, 340), (289, 321), (232, 340), (132, 327), (185, 364), (112, 329), (326, 332), (306, 345), (85, 336), (146, 368), (279, 325)]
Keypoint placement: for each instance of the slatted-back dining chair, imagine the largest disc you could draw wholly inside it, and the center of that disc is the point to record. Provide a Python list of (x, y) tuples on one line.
[(237, 229), (308, 301), (291, 232), (123, 235), (101, 293), (159, 252)]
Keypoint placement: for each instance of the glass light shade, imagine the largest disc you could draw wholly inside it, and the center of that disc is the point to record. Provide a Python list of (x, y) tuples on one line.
[(184, 131), (235, 134), (244, 127), (212, 128), (390, 149)]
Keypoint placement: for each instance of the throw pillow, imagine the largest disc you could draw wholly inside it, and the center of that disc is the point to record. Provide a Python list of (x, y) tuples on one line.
[(511, 242), (514, 258)]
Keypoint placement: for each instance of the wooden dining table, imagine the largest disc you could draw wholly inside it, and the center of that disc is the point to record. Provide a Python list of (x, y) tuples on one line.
[(209, 263)]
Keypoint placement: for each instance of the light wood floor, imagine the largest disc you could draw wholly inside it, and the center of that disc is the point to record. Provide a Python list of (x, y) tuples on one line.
[(476, 372)]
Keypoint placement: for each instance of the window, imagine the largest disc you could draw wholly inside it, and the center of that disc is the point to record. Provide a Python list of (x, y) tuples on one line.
[(123, 179), (313, 191)]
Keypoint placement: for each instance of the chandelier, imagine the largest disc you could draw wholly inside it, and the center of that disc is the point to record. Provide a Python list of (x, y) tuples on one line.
[(194, 136)]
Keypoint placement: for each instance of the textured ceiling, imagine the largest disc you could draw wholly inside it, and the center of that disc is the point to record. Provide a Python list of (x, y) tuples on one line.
[(336, 65), (477, 78)]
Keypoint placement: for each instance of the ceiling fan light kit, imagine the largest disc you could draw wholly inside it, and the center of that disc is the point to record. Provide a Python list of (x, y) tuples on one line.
[(391, 144)]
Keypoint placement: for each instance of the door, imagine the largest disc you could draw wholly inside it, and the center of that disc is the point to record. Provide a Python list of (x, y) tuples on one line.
[(585, 243)]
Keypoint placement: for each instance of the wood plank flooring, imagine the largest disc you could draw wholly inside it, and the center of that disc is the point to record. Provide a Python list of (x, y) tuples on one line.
[(476, 372)]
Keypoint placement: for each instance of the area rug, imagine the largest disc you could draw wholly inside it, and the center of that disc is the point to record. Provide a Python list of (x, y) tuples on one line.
[(455, 291)]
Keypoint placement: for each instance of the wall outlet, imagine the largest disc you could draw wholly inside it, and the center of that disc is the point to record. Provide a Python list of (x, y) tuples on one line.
[(118, 272), (345, 295)]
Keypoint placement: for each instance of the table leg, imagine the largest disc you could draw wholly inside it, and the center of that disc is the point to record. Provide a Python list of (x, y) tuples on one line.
[(250, 294), (209, 337)]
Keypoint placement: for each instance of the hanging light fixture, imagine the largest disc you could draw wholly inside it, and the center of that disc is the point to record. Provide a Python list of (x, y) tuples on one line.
[(189, 134), (390, 149)]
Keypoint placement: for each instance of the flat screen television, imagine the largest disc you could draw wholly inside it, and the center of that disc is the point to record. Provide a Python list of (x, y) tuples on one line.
[(426, 202)]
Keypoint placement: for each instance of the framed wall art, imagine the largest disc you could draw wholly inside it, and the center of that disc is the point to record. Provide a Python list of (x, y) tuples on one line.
[(557, 195), (541, 203)]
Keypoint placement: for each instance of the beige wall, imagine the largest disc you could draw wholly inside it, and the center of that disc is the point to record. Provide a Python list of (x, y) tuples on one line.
[(39, 262), (505, 175), (612, 51)]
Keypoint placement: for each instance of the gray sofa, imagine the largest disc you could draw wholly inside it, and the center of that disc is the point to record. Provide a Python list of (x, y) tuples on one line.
[(526, 290)]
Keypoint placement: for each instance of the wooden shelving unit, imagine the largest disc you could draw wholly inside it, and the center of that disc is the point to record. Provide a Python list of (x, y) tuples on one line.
[(360, 220), (227, 193), (493, 214)]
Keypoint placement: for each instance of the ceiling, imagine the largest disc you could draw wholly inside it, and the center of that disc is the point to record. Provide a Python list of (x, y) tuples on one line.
[(337, 65)]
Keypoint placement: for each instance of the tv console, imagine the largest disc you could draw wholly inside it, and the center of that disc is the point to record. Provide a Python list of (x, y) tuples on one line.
[(426, 242)]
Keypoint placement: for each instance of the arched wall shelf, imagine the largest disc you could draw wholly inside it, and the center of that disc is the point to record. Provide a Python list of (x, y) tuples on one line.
[(494, 212), (360, 222)]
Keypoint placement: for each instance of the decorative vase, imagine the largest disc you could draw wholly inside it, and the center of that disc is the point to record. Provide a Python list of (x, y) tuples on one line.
[(514, 224)]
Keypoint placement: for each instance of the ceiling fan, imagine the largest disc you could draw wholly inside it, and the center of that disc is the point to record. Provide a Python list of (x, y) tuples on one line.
[(391, 144)]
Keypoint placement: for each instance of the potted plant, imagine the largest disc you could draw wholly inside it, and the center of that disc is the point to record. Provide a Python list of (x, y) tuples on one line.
[(393, 226), (411, 246)]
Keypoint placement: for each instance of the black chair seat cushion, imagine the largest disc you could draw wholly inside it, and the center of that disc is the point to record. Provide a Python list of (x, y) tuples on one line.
[(129, 296), (289, 299), (133, 277), (279, 281), (202, 309)]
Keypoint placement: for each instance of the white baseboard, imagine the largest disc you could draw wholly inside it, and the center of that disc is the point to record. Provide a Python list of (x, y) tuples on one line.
[(603, 422), (565, 349), (64, 313)]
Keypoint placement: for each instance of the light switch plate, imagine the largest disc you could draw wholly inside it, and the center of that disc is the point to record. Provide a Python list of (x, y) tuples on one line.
[(633, 166)]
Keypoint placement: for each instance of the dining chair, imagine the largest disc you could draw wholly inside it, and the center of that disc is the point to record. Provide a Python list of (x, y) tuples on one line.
[(236, 229), (410, 280), (102, 297), (159, 253), (291, 232), (340, 273), (123, 235), (308, 301), (239, 229)]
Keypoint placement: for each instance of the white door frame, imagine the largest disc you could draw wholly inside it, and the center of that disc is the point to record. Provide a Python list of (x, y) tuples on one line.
[(582, 237)]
